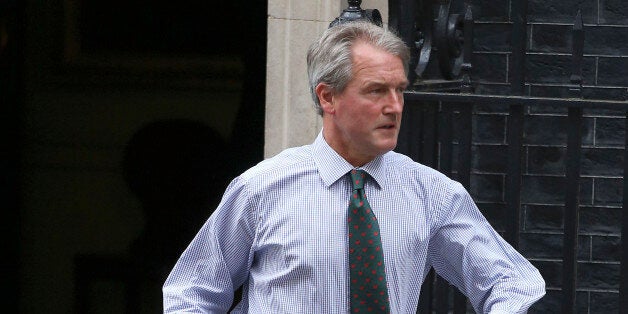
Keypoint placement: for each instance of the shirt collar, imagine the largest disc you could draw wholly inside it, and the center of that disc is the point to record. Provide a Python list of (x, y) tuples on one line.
[(332, 166)]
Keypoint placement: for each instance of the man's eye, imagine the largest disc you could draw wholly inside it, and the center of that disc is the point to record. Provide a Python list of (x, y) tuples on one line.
[(377, 91)]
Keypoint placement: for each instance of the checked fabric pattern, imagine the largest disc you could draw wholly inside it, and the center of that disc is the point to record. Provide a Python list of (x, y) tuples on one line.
[(369, 293)]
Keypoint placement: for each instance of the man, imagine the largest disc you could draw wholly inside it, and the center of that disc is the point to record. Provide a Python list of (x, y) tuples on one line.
[(345, 224)]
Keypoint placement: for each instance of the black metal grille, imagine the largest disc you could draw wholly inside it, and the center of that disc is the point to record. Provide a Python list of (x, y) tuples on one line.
[(428, 112), (429, 137)]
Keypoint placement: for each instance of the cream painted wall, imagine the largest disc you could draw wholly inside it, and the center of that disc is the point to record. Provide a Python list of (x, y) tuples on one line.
[(292, 25)]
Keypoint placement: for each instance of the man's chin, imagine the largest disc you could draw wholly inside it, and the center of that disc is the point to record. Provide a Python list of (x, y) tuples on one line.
[(388, 146)]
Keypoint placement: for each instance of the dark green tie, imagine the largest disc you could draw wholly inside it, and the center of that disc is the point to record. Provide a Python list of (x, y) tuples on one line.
[(366, 257)]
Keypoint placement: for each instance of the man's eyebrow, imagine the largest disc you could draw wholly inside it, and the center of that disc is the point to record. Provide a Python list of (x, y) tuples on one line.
[(370, 83), (402, 85), (373, 83)]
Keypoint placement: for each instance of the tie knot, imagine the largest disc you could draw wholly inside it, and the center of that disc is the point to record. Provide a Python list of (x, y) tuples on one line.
[(357, 178)]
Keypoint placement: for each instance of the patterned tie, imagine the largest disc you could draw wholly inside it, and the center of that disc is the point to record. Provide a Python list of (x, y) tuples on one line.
[(366, 257)]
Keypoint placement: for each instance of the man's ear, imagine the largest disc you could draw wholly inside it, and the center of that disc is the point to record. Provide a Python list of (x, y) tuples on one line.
[(325, 94)]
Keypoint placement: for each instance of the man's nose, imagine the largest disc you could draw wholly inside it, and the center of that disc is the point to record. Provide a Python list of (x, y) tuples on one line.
[(394, 102)]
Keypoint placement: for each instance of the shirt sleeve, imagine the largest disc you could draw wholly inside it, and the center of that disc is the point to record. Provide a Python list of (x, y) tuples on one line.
[(470, 254), (218, 259)]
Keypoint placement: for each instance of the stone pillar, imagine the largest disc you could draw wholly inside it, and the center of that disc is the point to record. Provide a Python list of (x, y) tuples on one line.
[(292, 25)]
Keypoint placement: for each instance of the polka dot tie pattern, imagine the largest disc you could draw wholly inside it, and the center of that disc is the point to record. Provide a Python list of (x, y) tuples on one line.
[(369, 293)]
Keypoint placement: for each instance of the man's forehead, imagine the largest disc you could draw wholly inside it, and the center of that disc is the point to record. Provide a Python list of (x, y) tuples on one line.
[(362, 46), (362, 53), (384, 65)]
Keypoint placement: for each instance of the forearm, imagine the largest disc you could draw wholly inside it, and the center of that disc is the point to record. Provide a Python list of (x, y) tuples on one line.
[(490, 273), (470, 254), (515, 295), (199, 282), (217, 260)]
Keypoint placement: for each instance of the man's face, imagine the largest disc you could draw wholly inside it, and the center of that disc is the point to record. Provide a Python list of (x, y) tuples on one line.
[(363, 121)]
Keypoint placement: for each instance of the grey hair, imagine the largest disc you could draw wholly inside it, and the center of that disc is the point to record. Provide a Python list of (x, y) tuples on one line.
[(329, 59)]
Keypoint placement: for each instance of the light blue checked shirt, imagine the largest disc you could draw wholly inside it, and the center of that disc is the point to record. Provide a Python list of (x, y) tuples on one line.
[(281, 231)]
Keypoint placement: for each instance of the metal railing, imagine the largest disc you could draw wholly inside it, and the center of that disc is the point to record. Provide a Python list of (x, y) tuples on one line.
[(428, 132), (436, 112)]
